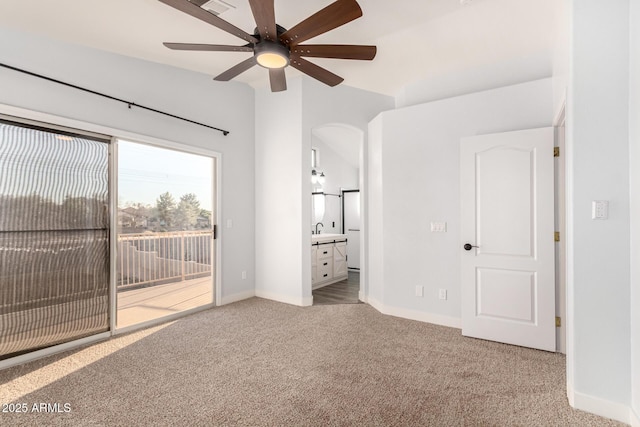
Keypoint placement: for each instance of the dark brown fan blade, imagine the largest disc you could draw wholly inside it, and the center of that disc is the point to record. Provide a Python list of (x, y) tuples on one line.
[(198, 12), (338, 51), (332, 16), (236, 70), (265, 16), (208, 47), (278, 80), (318, 73)]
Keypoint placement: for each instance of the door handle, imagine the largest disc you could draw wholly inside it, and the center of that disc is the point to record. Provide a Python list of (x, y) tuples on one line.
[(469, 246)]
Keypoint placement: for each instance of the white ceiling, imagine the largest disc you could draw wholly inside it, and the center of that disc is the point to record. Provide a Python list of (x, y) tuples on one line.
[(417, 39)]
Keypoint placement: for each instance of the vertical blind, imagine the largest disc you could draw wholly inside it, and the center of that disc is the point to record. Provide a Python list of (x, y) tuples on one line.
[(54, 237)]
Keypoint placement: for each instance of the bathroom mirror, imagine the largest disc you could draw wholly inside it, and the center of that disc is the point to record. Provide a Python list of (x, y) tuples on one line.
[(318, 207)]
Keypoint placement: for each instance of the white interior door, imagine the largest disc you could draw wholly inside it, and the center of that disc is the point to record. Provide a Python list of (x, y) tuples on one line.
[(507, 202), (351, 206)]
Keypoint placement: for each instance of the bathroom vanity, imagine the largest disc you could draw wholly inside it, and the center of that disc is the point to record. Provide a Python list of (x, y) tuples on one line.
[(328, 259)]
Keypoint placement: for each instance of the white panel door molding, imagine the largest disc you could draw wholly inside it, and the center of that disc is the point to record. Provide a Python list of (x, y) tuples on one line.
[(507, 202)]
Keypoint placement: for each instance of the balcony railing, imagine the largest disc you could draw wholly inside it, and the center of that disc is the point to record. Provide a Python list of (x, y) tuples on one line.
[(153, 258)]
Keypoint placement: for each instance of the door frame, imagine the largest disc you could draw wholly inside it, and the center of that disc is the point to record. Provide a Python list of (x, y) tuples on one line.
[(362, 184), (175, 146), (560, 183)]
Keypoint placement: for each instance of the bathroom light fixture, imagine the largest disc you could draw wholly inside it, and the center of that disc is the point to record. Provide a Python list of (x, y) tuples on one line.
[(317, 178)]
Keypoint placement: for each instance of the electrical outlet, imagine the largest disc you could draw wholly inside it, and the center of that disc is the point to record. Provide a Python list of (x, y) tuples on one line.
[(438, 227), (442, 294), (244, 275), (599, 209), (419, 291), (229, 223)]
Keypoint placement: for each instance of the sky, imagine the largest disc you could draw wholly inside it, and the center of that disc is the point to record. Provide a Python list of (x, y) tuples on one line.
[(56, 166), (145, 172)]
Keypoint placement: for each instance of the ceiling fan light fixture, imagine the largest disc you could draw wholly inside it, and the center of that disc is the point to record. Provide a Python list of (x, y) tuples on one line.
[(271, 55), (271, 44)]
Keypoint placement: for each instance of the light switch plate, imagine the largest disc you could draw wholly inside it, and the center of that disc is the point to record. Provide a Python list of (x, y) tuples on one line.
[(600, 209), (438, 227)]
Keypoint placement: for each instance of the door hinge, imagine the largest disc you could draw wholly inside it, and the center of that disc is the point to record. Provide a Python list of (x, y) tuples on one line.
[(556, 236), (556, 151), (215, 231), (558, 322)]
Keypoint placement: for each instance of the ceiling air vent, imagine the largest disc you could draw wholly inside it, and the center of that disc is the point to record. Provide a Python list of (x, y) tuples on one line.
[(217, 7)]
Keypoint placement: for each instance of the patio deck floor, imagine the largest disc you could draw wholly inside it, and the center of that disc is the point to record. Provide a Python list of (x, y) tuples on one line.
[(140, 305)]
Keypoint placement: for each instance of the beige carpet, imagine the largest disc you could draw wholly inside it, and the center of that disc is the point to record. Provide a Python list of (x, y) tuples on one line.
[(259, 362)]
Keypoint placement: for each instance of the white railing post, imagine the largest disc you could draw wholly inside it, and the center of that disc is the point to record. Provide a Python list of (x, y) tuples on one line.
[(183, 253)]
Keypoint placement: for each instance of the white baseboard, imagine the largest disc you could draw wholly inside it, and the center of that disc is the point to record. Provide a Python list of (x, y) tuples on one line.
[(362, 297), (635, 418), (604, 408), (571, 395), (421, 316), (287, 299), (237, 297)]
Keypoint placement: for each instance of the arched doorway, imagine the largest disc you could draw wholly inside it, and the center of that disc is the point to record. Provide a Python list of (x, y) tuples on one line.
[(337, 214)]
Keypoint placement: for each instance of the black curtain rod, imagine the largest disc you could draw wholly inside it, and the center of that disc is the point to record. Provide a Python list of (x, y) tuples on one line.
[(129, 104)]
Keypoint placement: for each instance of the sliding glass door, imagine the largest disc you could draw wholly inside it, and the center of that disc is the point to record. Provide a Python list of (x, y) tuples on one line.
[(165, 232), (54, 242), (56, 271)]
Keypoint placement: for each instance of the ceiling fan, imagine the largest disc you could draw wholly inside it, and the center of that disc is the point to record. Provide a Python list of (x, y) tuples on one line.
[(275, 47)]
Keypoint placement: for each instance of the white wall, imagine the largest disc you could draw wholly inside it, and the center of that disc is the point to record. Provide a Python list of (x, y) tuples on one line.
[(283, 163), (561, 54), (192, 95), (374, 215), (416, 162), (598, 363), (491, 75), (339, 175), (278, 194), (634, 157)]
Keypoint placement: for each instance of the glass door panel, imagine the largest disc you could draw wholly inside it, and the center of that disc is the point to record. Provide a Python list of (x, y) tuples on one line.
[(54, 247), (165, 254)]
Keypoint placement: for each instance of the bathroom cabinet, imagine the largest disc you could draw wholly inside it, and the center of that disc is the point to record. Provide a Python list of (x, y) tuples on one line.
[(328, 259)]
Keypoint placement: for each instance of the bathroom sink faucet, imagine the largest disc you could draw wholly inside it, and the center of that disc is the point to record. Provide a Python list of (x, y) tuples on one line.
[(317, 232)]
